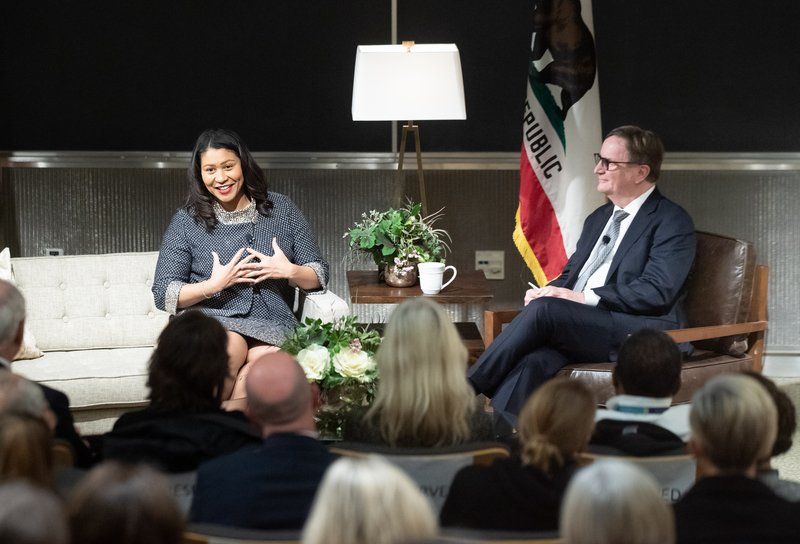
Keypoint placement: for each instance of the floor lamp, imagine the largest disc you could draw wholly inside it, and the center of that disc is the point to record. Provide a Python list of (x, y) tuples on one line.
[(404, 82)]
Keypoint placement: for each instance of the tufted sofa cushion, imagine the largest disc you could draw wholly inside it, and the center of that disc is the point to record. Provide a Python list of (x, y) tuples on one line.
[(95, 319), (90, 301), (93, 378)]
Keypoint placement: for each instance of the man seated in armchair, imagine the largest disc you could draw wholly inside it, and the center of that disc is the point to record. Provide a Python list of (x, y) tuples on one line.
[(627, 273)]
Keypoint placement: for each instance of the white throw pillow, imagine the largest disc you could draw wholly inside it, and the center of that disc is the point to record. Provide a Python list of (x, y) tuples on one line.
[(28, 350)]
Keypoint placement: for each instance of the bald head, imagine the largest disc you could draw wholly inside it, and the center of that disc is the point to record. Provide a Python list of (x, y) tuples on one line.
[(12, 314), (278, 394)]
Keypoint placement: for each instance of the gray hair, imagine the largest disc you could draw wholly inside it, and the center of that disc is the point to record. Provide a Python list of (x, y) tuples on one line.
[(12, 310), (31, 515), (734, 422), (20, 396), (614, 501), (368, 501)]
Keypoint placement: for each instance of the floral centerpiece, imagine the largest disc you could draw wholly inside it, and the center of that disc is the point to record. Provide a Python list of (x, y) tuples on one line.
[(398, 239), (340, 357)]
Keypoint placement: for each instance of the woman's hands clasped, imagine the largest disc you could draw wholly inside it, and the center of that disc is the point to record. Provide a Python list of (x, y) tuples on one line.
[(252, 269), (277, 266), (225, 275)]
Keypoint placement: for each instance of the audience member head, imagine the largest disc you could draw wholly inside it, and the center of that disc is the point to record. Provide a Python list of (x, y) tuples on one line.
[(423, 395), (26, 449), (12, 319), (787, 420), (23, 397), (368, 501), (734, 424), (279, 397), (31, 515), (648, 365), (125, 504), (189, 365), (199, 201), (614, 502), (556, 423), (644, 147)]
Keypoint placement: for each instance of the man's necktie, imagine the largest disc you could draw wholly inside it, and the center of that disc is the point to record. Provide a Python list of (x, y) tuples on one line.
[(609, 239)]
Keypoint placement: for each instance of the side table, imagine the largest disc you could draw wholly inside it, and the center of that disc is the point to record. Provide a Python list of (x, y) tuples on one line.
[(464, 300)]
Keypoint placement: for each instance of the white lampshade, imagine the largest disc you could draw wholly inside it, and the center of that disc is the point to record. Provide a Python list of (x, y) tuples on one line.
[(396, 83)]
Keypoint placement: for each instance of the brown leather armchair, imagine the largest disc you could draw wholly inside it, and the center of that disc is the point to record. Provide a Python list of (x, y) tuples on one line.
[(726, 304)]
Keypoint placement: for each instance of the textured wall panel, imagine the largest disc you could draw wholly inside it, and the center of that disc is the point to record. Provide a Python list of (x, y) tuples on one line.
[(479, 214), (116, 210), (93, 210), (332, 200), (9, 235), (101, 210), (761, 207)]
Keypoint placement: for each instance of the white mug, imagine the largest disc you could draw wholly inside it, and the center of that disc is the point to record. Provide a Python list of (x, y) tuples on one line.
[(431, 276)]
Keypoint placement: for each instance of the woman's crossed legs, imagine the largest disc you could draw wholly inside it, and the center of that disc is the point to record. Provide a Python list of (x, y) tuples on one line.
[(242, 351)]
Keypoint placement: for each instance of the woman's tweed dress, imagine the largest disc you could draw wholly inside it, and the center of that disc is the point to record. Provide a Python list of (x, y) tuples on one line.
[(262, 311)]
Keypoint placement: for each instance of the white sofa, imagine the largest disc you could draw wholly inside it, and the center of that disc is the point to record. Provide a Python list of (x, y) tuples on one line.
[(95, 320)]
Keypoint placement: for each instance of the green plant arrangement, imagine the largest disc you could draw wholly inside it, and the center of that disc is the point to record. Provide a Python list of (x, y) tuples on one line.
[(399, 237), (340, 358)]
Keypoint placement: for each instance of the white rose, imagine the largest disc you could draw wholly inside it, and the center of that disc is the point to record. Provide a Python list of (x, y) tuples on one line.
[(315, 361), (353, 364)]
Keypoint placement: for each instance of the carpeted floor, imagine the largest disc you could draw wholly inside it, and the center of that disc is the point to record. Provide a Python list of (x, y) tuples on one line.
[(788, 464)]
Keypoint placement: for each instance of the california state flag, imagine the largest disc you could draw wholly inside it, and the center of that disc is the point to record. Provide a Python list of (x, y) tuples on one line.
[(561, 130)]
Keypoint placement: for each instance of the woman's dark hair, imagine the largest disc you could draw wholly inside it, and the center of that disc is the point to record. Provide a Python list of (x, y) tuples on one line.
[(126, 504), (199, 202), (189, 365)]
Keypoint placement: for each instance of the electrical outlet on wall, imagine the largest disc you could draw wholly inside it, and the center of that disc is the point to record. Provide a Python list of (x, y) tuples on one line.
[(493, 264), (53, 251)]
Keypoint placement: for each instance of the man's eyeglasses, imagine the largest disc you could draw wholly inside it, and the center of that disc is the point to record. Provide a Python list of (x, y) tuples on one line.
[(608, 164)]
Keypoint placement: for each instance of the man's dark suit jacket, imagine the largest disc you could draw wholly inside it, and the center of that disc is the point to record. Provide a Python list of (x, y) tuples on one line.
[(644, 288), (270, 487), (731, 509), (65, 425), (649, 268)]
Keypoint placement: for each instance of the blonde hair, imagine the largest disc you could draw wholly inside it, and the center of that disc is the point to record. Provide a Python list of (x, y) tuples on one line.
[(615, 502), (423, 396), (368, 501), (556, 423), (734, 422)]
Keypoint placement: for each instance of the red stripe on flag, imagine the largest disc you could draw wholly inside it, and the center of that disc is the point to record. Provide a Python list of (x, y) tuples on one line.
[(538, 221)]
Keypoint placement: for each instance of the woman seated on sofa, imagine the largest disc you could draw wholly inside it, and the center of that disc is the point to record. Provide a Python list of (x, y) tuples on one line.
[(524, 493), (235, 251), (423, 398), (184, 424)]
